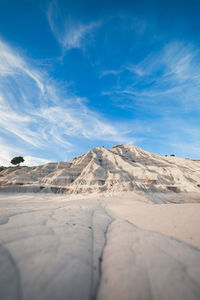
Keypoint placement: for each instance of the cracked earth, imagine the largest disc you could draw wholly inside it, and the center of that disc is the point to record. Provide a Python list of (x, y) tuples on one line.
[(53, 247)]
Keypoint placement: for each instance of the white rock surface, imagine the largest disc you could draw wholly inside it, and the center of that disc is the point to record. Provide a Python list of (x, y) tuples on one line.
[(119, 247), (122, 168)]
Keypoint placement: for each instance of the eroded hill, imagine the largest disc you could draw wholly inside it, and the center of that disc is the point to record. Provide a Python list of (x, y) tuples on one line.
[(122, 168)]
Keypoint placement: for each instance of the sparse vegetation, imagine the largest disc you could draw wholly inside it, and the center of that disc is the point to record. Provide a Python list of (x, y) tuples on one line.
[(17, 160)]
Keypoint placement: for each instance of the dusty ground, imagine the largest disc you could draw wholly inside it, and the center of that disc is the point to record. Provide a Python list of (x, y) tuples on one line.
[(125, 248)]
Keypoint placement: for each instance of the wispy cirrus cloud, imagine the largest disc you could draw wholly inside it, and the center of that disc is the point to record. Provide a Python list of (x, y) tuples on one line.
[(42, 118), (69, 32), (110, 72), (175, 66), (13, 64), (170, 72), (164, 89)]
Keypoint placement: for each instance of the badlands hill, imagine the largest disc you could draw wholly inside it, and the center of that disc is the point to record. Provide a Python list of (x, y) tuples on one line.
[(122, 168)]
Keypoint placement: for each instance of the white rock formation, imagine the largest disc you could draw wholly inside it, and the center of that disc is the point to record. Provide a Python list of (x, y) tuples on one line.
[(122, 168), (58, 247)]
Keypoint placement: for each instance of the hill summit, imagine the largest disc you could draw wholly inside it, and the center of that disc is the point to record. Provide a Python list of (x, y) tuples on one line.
[(121, 168)]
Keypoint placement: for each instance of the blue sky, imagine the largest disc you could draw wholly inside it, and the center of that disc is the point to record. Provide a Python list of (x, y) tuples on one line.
[(79, 74)]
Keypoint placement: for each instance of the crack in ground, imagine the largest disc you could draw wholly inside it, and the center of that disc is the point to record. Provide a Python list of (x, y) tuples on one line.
[(169, 239), (95, 292), (101, 261), (15, 271), (92, 257)]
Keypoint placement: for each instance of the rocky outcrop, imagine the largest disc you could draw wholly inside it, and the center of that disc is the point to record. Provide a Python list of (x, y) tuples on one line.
[(122, 168)]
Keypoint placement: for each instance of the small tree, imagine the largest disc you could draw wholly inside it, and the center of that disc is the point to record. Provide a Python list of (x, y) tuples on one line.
[(17, 160), (172, 155)]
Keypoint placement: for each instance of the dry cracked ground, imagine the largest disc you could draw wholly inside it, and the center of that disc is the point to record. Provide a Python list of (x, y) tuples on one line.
[(54, 248)]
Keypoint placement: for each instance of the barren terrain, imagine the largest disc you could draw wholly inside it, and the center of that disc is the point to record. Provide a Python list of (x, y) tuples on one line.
[(121, 247), (121, 168)]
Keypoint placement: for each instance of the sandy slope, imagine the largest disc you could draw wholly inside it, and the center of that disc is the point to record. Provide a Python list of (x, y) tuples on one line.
[(121, 168), (61, 247)]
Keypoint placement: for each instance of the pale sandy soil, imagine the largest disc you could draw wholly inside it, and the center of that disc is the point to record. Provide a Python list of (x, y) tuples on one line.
[(120, 247), (181, 221)]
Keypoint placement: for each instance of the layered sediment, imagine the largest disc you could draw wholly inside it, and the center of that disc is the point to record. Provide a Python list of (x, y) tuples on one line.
[(121, 168)]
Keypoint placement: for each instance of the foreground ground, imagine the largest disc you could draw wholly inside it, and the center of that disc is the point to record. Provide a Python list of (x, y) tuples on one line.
[(118, 247)]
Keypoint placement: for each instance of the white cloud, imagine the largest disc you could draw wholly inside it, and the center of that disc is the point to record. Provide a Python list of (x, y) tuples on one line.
[(13, 64), (39, 115), (171, 73), (68, 32), (110, 72), (34, 161), (7, 152), (79, 122), (17, 123), (175, 61), (164, 89), (76, 33)]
